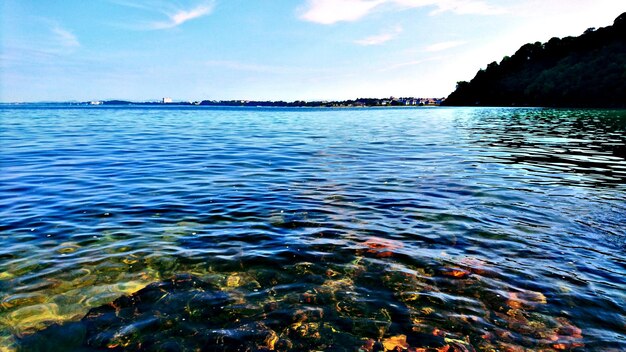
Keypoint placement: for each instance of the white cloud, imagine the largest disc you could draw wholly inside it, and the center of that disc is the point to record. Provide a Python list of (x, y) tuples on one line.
[(333, 11), (175, 13), (380, 38), (64, 37), (181, 16), (443, 46)]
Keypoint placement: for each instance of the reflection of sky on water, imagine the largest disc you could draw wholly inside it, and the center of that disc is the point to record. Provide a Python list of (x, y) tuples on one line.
[(98, 202)]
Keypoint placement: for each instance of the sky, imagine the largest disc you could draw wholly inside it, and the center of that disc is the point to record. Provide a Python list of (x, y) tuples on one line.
[(190, 50)]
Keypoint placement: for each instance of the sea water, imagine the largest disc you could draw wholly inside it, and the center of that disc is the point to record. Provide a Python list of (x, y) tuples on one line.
[(311, 229)]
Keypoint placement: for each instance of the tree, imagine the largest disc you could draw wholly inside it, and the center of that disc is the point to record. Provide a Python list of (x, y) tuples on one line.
[(589, 70)]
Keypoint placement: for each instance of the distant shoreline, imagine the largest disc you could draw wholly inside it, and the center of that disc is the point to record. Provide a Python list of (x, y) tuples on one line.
[(187, 105), (356, 103)]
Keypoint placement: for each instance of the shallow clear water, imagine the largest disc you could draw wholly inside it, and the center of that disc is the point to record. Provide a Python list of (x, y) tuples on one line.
[(314, 229)]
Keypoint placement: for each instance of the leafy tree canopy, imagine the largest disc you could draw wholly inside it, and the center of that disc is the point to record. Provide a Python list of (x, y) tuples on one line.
[(584, 71)]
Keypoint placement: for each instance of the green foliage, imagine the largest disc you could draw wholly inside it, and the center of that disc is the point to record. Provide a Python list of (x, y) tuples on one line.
[(584, 71)]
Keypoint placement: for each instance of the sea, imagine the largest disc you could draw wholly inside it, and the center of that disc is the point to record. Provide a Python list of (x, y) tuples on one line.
[(184, 228)]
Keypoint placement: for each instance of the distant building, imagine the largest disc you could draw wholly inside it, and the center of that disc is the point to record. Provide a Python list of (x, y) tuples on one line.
[(167, 100)]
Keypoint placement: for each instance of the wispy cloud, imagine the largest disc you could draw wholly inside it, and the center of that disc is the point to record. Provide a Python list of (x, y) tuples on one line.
[(179, 17), (47, 43), (380, 38), (393, 67), (137, 4), (242, 66), (64, 37), (333, 11), (461, 7), (443, 46), (260, 68), (175, 14)]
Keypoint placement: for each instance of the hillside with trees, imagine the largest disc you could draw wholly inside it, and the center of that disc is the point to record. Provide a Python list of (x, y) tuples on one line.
[(584, 71)]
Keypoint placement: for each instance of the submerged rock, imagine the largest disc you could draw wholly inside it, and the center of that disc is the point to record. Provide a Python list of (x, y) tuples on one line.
[(177, 314), (189, 314)]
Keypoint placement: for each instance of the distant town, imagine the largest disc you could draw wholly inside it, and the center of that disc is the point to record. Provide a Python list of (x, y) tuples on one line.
[(360, 102)]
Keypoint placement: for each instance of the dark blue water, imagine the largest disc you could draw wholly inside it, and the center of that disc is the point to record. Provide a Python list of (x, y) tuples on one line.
[(315, 229)]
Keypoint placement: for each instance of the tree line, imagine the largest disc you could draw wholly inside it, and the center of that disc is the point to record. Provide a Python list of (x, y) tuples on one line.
[(584, 71)]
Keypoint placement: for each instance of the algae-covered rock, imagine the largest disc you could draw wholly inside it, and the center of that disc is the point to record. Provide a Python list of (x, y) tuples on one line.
[(32, 318), (183, 313)]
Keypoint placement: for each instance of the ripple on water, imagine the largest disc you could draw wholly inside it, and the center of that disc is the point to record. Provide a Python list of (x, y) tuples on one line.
[(305, 229)]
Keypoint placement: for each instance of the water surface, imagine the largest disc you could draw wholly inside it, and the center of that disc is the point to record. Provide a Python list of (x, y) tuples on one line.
[(312, 229)]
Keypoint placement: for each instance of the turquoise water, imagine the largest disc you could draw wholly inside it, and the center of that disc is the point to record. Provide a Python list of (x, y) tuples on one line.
[(312, 229)]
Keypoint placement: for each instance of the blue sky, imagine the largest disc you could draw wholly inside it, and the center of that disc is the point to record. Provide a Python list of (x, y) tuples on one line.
[(268, 49)]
